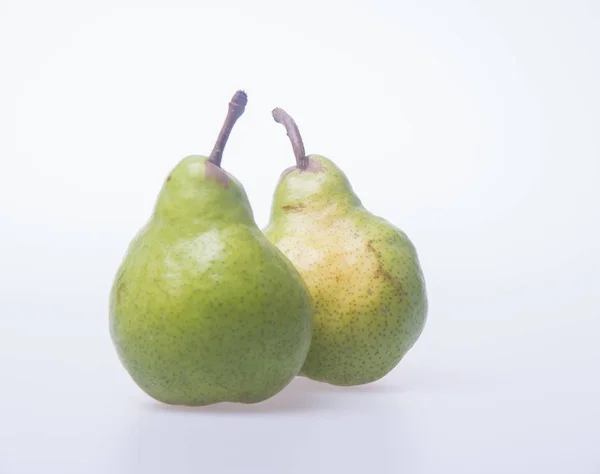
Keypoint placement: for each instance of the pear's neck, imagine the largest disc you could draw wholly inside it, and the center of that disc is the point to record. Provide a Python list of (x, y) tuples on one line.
[(190, 223), (321, 189), (191, 227), (198, 195)]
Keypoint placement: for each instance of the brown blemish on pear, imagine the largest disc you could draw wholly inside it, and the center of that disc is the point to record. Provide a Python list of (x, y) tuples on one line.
[(214, 172), (314, 166), (382, 272), (296, 208)]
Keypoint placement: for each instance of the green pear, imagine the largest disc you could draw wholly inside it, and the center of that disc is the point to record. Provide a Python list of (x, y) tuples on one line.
[(362, 272), (204, 309)]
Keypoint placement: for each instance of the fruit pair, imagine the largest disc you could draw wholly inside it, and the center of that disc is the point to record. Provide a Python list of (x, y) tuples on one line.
[(205, 308)]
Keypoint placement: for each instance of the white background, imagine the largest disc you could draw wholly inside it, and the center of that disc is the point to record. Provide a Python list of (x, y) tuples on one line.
[(473, 126)]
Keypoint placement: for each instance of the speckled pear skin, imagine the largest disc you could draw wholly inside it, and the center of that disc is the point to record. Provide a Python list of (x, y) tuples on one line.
[(204, 309), (363, 274)]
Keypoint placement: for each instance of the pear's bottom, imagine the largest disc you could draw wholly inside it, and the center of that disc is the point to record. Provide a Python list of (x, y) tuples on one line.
[(246, 398), (343, 382), (336, 368)]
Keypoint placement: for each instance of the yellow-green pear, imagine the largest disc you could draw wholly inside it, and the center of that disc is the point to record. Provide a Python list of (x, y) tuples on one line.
[(362, 272)]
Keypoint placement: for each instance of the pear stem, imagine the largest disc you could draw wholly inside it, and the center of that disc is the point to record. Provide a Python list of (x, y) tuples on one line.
[(285, 119), (237, 105)]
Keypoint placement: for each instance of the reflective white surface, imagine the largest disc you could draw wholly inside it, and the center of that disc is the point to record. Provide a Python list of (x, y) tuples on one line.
[(447, 415), (472, 126)]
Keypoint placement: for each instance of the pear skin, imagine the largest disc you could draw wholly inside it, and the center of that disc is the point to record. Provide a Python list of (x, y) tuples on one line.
[(362, 272)]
